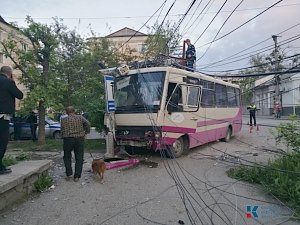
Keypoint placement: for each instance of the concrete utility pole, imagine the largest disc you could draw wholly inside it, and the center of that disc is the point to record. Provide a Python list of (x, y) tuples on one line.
[(277, 78)]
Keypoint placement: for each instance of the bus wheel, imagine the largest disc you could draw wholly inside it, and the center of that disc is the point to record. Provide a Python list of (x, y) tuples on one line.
[(177, 149), (228, 135)]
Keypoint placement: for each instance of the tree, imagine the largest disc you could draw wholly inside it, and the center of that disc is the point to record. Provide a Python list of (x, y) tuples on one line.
[(78, 70), (35, 64), (259, 64), (163, 39)]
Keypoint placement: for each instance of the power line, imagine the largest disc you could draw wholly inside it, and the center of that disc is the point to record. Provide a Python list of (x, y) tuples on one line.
[(211, 21), (185, 14), (193, 14), (143, 24), (221, 28), (243, 24), (208, 4), (259, 65), (134, 17), (258, 51), (260, 74), (252, 46)]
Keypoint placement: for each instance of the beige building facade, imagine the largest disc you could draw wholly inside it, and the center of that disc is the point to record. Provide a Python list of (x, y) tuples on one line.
[(9, 32), (130, 43)]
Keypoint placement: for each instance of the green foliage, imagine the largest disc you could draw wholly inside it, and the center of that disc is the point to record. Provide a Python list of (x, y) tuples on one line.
[(259, 64), (43, 183), (35, 63), (79, 74), (162, 39), (247, 85), (9, 160), (54, 146), (60, 68), (289, 133), (280, 177), (21, 156)]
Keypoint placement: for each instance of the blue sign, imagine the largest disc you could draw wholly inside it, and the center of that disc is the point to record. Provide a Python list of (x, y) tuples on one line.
[(109, 88)]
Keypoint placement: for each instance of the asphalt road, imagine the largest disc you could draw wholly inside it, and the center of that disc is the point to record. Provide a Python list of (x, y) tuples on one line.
[(193, 189)]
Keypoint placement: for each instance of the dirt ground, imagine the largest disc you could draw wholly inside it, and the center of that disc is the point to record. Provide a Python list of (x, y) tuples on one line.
[(193, 189)]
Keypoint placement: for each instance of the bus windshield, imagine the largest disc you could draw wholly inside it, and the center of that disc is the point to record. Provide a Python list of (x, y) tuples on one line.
[(139, 92)]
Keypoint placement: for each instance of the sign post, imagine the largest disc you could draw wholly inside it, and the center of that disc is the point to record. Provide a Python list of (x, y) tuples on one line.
[(109, 118)]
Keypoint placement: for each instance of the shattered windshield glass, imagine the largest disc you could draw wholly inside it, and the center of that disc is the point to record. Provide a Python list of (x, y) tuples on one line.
[(139, 92)]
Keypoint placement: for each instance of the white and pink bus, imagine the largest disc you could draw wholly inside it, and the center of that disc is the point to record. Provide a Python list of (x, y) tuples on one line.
[(160, 107)]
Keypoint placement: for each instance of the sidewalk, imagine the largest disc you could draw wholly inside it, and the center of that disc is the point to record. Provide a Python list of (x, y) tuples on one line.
[(270, 117)]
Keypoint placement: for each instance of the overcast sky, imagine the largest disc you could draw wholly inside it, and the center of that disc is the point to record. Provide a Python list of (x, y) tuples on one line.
[(105, 17)]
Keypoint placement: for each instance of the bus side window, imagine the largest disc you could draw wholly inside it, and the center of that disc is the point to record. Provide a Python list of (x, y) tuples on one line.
[(193, 97), (238, 96), (221, 96), (232, 97), (208, 99), (174, 98)]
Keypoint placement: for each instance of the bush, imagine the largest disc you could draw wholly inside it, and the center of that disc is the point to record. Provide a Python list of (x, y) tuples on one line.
[(43, 183), (9, 160), (21, 156), (289, 133), (280, 177)]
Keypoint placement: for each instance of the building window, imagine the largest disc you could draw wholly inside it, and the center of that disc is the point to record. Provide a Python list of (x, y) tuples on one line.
[(141, 48)]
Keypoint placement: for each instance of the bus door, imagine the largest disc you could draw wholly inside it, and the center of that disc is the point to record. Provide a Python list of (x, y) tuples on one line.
[(182, 108)]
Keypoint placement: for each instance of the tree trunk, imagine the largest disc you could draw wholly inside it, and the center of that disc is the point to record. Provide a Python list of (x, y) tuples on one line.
[(41, 134)]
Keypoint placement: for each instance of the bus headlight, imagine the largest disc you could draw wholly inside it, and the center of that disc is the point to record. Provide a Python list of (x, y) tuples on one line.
[(157, 134)]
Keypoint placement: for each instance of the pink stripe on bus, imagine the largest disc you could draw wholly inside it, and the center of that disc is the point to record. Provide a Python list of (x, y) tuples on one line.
[(206, 136), (211, 121), (178, 129), (167, 140)]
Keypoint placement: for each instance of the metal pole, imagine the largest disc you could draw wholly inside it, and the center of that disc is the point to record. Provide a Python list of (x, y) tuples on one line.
[(110, 144), (277, 79)]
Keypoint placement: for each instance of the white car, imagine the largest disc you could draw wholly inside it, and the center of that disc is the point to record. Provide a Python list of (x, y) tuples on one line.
[(52, 129)]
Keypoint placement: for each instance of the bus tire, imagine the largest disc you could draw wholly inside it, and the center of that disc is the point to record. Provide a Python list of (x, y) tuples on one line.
[(228, 135), (178, 148)]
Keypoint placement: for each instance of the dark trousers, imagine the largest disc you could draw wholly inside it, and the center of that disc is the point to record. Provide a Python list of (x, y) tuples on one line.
[(252, 115), (33, 131), (76, 144), (190, 65), (4, 135)]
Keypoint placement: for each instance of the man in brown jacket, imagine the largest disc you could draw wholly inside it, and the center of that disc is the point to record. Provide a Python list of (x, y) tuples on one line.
[(73, 129)]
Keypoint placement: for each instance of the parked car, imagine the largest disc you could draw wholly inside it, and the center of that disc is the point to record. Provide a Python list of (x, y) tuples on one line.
[(52, 129)]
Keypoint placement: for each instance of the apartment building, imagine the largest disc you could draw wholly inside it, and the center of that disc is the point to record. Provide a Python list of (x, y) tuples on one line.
[(129, 42), (8, 32)]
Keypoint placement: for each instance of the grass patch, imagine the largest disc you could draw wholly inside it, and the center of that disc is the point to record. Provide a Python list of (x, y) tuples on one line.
[(9, 160), (43, 183), (21, 156), (281, 178), (97, 145)]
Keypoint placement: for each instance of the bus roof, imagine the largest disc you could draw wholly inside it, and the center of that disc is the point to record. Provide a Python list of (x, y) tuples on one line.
[(183, 73)]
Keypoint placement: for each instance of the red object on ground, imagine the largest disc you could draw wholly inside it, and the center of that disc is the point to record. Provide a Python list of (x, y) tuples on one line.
[(121, 163)]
